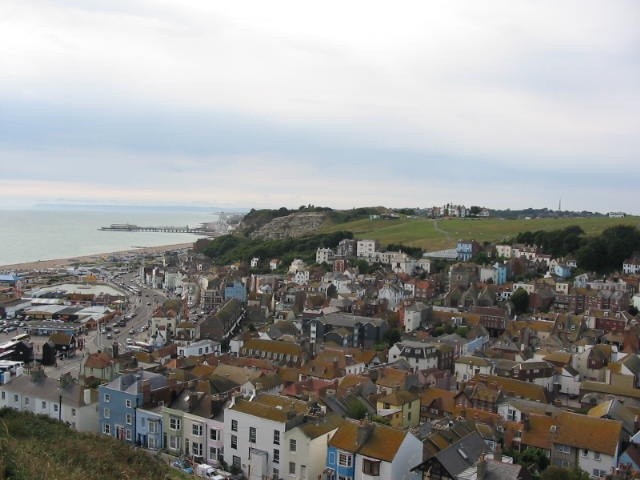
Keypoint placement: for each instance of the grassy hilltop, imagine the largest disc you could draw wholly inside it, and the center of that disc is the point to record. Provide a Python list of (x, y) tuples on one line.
[(439, 234)]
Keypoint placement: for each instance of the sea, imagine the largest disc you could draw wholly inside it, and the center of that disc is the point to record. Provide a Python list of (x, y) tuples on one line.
[(32, 235)]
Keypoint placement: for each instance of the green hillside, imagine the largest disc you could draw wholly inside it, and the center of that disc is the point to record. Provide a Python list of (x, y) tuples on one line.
[(36, 447), (440, 234)]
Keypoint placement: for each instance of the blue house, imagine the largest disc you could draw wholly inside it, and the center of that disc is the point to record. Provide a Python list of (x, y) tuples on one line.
[(149, 429), (501, 273), (467, 249), (561, 270), (119, 399), (235, 289)]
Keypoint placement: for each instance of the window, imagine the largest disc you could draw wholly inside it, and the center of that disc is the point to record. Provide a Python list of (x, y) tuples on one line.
[(127, 403), (234, 442), (292, 468), (370, 467), (599, 473), (584, 452), (106, 429), (344, 459), (26, 400), (175, 423), (107, 398), (174, 442), (44, 404), (596, 456), (564, 448), (55, 407), (276, 437), (292, 445), (73, 412), (128, 434), (15, 397), (276, 455), (234, 425), (152, 443), (153, 427), (252, 434), (196, 449), (107, 412), (213, 453), (213, 434), (236, 461), (196, 429), (128, 418)]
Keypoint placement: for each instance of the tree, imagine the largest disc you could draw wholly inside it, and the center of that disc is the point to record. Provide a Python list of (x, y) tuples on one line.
[(520, 301), (357, 410), (561, 473), (392, 336)]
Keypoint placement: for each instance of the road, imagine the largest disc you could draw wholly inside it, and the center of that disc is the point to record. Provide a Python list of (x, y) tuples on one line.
[(140, 307)]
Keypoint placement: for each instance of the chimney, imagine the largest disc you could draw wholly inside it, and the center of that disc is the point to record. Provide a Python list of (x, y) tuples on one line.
[(497, 454), (481, 472), (365, 429)]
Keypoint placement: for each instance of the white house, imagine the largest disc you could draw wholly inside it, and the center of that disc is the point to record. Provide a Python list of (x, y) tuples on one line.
[(467, 367), (414, 315), (203, 437), (61, 400), (503, 251), (254, 434), (202, 347), (568, 379), (393, 294), (306, 446), (366, 248), (324, 255), (366, 450), (419, 355)]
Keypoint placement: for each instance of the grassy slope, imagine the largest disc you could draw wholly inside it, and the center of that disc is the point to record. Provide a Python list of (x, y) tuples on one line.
[(441, 234), (33, 447)]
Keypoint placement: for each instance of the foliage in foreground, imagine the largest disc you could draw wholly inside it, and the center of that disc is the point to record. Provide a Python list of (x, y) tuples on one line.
[(36, 447)]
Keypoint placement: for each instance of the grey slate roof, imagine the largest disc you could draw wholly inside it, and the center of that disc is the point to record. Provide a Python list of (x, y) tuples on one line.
[(463, 454)]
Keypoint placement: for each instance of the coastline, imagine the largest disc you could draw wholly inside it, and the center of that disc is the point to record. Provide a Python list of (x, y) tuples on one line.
[(64, 262)]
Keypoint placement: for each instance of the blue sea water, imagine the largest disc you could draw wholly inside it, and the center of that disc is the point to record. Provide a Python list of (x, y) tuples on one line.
[(31, 235)]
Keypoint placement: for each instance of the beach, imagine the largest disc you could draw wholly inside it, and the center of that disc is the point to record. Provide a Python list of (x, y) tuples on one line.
[(98, 257)]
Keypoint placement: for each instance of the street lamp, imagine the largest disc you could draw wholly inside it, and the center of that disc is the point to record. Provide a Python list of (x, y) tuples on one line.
[(60, 404)]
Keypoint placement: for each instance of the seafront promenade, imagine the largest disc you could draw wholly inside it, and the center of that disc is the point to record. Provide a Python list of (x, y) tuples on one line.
[(63, 262)]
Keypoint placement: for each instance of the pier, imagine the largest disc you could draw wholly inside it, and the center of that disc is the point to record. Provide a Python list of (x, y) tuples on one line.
[(126, 227)]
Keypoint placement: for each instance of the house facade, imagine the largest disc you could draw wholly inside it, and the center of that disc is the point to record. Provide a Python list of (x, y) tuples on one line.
[(364, 450)]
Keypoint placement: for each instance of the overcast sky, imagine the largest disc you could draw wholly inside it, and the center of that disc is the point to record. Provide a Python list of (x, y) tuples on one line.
[(271, 103)]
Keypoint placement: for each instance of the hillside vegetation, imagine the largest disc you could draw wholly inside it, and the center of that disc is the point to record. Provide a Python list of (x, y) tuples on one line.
[(429, 234), (36, 447)]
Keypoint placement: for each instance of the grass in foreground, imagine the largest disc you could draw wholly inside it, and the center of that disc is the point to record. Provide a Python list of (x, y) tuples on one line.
[(35, 447)]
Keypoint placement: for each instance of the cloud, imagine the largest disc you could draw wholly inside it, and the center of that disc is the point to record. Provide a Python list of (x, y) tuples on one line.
[(500, 92)]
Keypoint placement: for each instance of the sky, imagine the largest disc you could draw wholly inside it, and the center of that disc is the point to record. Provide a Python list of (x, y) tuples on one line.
[(254, 104)]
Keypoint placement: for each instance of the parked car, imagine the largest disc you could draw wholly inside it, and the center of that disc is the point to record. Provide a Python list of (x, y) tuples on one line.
[(184, 466)]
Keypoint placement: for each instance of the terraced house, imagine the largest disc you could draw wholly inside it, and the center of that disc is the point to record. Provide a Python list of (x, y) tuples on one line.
[(365, 450), (257, 436), (280, 353)]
